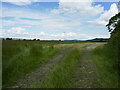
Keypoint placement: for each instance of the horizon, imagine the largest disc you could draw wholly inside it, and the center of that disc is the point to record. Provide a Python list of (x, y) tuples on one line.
[(56, 20), (49, 39)]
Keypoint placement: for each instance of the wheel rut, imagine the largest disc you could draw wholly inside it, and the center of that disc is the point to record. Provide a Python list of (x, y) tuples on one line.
[(86, 75), (40, 73)]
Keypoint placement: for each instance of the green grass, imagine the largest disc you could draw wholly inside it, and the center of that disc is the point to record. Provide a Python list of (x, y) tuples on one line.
[(21, 57), (61, 74), (106, 62)]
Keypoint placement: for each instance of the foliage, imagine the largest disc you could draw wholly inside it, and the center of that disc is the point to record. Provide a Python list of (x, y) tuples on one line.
[(114, 28), (114, 23), (8, 38), (114, 42)]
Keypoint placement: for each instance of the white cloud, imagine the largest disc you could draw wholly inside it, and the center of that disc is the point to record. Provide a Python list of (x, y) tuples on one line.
[(7, 22), (72, 35), (27, 26), (15, 32), (19, 2), (0, 33), (108, 14), (26, 2), (45, 24), (48, 22), (104, 18), (78, 9), (22, 14), (62, 36), (58, 24), (18, 32), (42, 33)]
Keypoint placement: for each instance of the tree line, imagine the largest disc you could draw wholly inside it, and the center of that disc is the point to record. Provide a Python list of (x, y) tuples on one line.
[(114, 41), (20, 39)]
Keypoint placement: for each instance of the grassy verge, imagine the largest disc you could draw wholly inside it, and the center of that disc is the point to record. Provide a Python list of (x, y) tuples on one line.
[(60, 76), (106, 62), (23, 59)]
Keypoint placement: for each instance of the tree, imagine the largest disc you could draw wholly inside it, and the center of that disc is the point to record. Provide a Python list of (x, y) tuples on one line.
[(8, 38), (114, 42), (113, 23), (34, 39)]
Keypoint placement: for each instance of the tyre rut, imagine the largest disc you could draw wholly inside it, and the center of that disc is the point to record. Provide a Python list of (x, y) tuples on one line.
[(86, 75), (40, 73)]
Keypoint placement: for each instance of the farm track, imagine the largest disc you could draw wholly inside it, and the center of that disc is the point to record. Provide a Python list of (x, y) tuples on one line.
[(40, 73), (86, 75)]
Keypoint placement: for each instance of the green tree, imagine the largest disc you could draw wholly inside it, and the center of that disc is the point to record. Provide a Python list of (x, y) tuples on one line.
[(114, 23), (114, 41)]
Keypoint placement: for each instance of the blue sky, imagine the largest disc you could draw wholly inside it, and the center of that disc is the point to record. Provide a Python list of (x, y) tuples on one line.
[(56, 20)]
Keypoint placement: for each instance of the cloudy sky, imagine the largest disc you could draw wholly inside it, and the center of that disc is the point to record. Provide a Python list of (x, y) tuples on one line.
[(56, 19)]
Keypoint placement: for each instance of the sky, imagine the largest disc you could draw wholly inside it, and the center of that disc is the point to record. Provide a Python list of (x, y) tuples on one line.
[(56, 20)]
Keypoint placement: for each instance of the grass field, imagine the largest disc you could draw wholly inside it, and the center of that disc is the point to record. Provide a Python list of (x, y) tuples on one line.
[(107, 65), (57, 64), (21, 57)]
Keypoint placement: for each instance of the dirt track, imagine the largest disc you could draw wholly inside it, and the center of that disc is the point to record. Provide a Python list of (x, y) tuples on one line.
[(39, 74), (85, 76)]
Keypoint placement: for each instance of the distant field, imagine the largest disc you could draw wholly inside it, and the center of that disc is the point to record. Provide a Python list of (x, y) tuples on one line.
[(51, 64), (21, 57)]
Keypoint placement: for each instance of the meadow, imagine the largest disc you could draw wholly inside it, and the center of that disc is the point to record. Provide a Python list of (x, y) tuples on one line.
[(57, 64), (107, 66), (21, 57)]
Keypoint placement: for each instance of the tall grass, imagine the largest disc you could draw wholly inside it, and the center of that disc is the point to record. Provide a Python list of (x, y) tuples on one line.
[(60, 76), (107, 65), (22, 57)]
